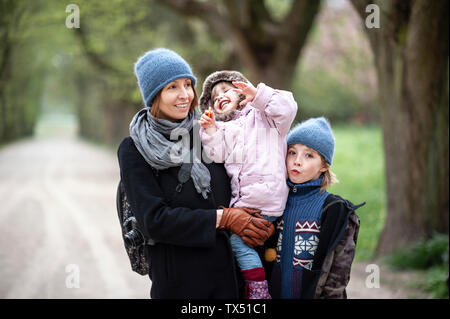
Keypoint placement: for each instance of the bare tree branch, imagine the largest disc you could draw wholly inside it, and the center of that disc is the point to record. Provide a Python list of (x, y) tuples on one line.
[(360, 6), (298, 22), (217, 16), (268, 49), (394, 17), (206, 11)]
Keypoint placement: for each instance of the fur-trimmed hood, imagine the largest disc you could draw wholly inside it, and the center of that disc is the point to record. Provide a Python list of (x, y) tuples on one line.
[(213, 79)]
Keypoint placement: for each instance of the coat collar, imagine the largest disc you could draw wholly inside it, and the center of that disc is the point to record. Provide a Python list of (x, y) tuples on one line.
[(307, 188)]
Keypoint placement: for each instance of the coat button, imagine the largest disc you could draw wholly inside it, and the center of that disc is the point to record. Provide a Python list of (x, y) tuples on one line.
[(261, 180)]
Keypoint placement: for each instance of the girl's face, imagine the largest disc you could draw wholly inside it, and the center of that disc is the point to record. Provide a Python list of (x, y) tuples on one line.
[(303, 164), (223, 98), (175, 100)]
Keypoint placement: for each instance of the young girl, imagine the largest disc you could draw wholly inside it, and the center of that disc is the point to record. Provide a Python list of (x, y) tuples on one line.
[(318, 230), (251, 143)]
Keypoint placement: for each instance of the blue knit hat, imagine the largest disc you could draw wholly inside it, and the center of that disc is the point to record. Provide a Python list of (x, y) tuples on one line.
[(315, 133), (158, 67)]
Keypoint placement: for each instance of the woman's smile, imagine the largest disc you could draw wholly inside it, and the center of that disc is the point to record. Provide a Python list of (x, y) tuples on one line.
[(182, 106), (176, 99)]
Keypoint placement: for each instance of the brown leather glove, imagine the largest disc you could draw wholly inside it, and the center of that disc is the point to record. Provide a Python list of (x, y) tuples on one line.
[(251, 238), (248, 224)]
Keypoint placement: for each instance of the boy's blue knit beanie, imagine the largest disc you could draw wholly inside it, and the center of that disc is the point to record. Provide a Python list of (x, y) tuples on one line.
[(315, 133), (158, 67)]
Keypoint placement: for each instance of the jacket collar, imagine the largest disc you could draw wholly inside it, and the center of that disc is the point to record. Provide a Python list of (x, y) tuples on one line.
[(305, 189)]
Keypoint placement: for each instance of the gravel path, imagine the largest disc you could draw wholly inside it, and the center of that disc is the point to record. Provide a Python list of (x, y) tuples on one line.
[(388, 285), (59, 228)]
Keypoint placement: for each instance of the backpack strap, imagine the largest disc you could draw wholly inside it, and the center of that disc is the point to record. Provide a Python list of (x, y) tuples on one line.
[(121, 202)]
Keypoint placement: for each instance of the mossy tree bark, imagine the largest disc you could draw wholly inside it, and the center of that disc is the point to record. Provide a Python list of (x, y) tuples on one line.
[(411, 56)]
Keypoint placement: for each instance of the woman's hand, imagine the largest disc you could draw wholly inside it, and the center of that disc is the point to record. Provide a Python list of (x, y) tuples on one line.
[(252, 238), (248, 224), (246, 89)]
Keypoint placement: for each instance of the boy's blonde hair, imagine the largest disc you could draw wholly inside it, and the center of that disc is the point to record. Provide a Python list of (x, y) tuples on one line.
[(328, 177)]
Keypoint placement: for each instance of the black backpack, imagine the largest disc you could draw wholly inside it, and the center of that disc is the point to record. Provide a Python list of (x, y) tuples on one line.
[(133, 238)]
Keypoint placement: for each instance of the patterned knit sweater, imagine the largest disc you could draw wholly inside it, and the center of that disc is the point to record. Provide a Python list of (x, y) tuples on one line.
[(299, 230)]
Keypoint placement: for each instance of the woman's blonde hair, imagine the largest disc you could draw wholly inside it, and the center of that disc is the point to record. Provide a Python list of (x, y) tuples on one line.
[(156, 111), (328, 177)]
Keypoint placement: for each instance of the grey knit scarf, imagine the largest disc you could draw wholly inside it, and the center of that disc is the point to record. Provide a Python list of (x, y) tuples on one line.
[(159, 144)]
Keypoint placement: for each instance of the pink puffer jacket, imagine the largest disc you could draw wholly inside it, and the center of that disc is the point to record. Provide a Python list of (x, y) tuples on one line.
[(253, 148)]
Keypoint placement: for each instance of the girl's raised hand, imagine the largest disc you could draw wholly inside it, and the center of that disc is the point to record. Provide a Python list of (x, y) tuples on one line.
[(246, 89)]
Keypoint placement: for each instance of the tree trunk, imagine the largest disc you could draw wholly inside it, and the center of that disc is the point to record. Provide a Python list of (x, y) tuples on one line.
[(5, 64), (268, 50), (411, 56)]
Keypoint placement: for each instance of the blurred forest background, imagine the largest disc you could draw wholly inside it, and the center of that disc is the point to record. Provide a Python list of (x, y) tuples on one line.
[(365, 81)]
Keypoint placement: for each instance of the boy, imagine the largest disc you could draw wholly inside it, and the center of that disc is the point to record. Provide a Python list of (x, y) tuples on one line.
[(318, 230)]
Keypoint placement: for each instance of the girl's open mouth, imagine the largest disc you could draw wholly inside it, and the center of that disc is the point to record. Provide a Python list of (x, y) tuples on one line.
[(223, 104)]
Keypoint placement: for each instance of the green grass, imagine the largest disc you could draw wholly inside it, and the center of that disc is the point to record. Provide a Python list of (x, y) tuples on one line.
[(359, 165), (430, 255)]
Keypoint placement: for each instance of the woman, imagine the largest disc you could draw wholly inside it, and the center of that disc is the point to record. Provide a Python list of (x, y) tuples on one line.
[(175, 195)]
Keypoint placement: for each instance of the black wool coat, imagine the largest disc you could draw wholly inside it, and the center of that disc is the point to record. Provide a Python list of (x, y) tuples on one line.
[(191, 258)]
